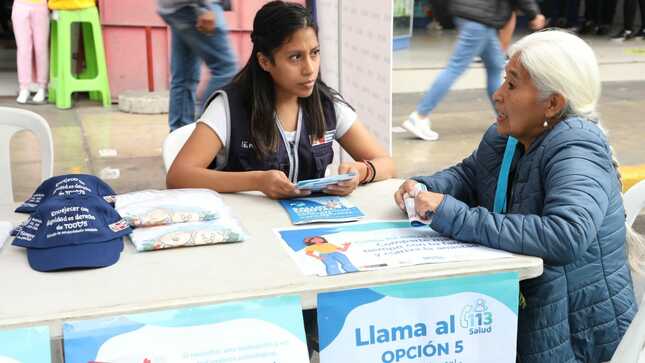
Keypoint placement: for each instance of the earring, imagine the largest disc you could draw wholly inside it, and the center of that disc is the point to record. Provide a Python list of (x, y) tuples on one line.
[(545, 124)]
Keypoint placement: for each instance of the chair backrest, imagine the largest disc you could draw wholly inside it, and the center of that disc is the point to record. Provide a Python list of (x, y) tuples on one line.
[(634, 200), (174, 142), (632, 346), (13, 120)]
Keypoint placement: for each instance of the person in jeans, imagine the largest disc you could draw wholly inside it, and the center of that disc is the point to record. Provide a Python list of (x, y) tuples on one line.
[(199, 32), (478, 22)]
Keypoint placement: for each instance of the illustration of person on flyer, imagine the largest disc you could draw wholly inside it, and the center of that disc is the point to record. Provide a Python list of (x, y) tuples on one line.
[(331, 255)]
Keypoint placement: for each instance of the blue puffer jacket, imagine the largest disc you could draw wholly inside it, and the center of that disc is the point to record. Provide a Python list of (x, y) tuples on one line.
[(565, 207)]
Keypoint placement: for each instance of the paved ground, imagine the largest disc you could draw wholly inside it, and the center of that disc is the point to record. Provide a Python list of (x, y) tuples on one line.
[(123, 149)]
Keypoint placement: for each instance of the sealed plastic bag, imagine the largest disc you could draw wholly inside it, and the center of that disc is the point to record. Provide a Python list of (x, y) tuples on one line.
[(160, 207), (187, 234)]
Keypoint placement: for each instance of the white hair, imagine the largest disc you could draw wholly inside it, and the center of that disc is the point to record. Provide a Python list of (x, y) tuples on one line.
[(560, 62)]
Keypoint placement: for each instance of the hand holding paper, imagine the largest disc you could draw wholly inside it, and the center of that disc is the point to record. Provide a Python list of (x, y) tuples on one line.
[(276, 185), (344, 187), (427, 202), (322, 183), (409, 200), (414, 199)]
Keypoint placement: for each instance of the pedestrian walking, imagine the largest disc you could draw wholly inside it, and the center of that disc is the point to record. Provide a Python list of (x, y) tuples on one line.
[(199, 33), (478, 22)]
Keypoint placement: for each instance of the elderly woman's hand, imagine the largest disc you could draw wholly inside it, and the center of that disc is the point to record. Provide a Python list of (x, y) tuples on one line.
[(426, 202), (408, 187), (423, 201)]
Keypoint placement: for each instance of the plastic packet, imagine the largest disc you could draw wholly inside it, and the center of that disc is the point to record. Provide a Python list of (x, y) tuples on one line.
[(160, 207), (413, 216)]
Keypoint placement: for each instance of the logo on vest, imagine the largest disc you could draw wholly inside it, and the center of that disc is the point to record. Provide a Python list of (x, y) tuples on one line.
[(246, 145), (327, 137)]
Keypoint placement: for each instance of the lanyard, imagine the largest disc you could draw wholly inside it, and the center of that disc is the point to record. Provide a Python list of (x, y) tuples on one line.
[(502, 180)]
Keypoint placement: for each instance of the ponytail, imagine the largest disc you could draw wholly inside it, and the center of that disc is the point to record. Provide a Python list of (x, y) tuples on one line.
[(634, 241)]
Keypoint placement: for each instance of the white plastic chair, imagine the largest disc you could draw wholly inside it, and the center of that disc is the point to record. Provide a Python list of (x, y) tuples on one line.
[(13, 120), (634, 200), (632, 347), (174, 142)]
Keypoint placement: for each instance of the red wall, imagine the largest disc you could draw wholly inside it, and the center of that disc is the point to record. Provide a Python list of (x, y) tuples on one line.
[(126, 48)]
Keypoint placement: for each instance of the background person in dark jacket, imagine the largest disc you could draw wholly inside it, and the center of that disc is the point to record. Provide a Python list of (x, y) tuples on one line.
[(563, 202), (478, 22), (598, 15)]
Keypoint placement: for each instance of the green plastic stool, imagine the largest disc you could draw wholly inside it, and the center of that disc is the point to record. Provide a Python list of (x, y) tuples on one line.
[(94, 78)]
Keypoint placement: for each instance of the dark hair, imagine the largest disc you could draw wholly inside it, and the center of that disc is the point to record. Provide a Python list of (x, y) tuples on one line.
[(273, 25), (310, 240)]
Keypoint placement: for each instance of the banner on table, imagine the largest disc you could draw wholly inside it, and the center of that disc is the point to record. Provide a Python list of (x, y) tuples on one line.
[(25, 345), (254, 331), (338, 249), (468, 319)]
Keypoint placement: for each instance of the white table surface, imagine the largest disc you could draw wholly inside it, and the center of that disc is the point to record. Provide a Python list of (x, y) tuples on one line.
[(258, 267)]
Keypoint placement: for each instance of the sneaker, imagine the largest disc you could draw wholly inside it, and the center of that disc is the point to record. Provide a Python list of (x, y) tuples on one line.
[(23, 95), (623, 35), (420, 127), (39, 97)]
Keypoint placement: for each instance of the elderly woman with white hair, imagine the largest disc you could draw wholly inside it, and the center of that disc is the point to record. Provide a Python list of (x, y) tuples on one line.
[(543, 182)]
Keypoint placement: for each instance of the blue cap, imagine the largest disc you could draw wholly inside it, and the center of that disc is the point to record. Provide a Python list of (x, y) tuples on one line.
[(81, 184), (73, 231)]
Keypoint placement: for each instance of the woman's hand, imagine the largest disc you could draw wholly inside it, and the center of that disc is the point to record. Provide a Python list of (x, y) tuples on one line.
[(408, 187), (426, 202), (276, 185), (344, 187)]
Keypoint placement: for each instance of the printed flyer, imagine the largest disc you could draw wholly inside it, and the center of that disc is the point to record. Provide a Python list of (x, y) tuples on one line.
[(320, 209), (253, 331), (332, 250), (25, 345), (460, 320)]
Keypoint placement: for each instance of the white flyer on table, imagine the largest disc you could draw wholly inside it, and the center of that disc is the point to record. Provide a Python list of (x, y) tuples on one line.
[(337, 249)]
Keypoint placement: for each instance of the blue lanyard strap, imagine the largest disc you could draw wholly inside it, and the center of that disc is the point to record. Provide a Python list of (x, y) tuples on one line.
[(502, 180)]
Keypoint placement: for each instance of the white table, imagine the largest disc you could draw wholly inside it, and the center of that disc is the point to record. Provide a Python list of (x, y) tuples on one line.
[(258, 267)]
